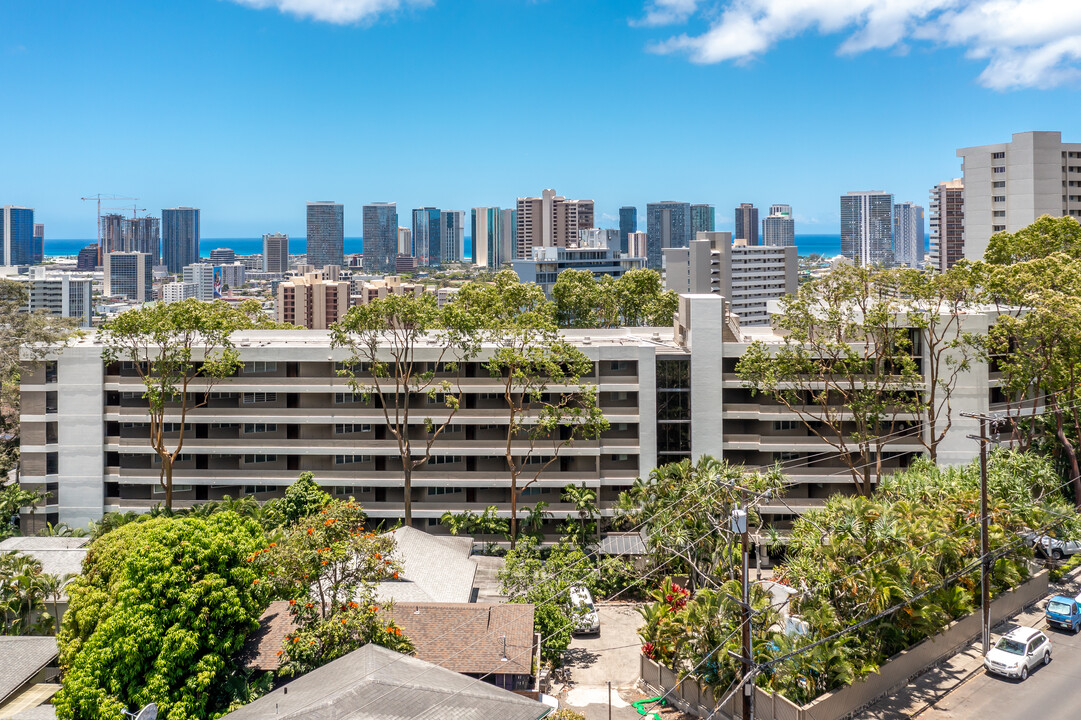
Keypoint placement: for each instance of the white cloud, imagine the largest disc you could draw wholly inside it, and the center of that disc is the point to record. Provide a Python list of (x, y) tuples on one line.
[(340, 12), (667, 12), (1026, 43)]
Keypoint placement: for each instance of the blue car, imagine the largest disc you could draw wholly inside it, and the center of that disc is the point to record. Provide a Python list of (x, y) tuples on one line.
[(1064, 612)]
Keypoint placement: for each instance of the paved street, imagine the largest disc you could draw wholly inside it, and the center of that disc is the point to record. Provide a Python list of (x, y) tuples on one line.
[(594, 660), (1050, 693)]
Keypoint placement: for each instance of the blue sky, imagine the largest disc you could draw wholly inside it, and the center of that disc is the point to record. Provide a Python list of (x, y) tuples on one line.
[(249, 108)]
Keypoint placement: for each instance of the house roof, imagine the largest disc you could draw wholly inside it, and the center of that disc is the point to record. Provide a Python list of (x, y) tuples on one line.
[(374, 683), (58, 555), (622, 543), (22, 657), (435, 569), (261, 647), (468, 637), (41, 712)]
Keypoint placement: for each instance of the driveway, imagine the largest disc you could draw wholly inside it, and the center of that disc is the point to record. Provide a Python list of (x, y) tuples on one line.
[(593, 661)]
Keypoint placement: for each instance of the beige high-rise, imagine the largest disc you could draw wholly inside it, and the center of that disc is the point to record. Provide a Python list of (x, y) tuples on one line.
[(312, 302), (550, 221)]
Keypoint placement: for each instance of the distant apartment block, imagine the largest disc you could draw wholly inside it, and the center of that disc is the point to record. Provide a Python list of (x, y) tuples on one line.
[(180, 236), (312, 302), (947, 223), (544, 267), (628, 223), (365, 290), (637, 244), (233, 274), (88, 258), (867, 227), (39, 242), (426, 236), (451, 237), (201, 275), (405, 264), (668, 225), (779, 228), (380, 238), (748, 276), (1007, 186), (747, 223), (550, 221), (908, 234), (275, 253), (129, 275), (491, 248), (178, 291), (222, 256), (510, 233), (326, 233), (18, 235), (59, 293), (703, 219), (405, 241)]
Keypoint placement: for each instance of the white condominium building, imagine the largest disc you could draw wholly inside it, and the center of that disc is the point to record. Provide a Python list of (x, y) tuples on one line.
[(1009, 185)]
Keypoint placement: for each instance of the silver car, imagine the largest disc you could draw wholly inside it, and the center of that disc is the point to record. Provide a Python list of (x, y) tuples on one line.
[(1018, 652)]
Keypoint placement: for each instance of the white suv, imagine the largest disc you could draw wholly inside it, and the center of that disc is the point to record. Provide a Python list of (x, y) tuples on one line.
[(1018, 652), (588, 621)]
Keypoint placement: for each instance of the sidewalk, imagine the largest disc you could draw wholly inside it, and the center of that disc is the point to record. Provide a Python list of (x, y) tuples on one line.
[(933, 685)]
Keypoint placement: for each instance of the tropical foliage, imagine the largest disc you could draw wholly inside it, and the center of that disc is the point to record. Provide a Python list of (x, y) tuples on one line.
[(29, 598), (635, 299), (159, 615)]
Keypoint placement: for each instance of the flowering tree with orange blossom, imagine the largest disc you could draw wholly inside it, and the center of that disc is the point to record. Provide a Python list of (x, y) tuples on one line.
[(327, 566)]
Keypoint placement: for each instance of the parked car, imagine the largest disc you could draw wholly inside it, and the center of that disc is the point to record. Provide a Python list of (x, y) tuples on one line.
[(1064, 612), (1050, 547), (589, 622), (1018, 652)]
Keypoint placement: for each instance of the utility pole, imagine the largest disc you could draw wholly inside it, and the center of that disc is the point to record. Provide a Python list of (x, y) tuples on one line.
[(740, 525), (985, 543)]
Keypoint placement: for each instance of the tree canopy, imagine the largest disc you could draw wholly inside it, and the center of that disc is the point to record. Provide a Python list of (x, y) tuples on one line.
[(159, 615), (635, 299)]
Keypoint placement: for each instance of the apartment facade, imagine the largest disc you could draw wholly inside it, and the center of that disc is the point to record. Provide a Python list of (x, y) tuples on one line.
[(550, 221), (908, 234), (59, 293), (779, 228), (668, 225), (380, 237), (628, 223), (326, 233), (668, 393), (867, 227), (747, 223), (490, 246), (703, 219), (747, 276), (947, 224), (426, 234), (17, 226), (180, 234), (275, 253), (451, 236), (1008, 186), (544, 267), (201, 276), (312, 302), (129, 275)]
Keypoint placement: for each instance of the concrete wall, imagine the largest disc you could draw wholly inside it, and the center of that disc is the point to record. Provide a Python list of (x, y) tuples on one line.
[(895, 673)]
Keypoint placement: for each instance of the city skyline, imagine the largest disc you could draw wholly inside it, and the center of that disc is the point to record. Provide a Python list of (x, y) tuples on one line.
[(251, 171)]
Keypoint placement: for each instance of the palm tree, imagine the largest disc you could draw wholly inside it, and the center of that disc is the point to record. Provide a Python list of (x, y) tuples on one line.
[(584, 500), (535, 518)]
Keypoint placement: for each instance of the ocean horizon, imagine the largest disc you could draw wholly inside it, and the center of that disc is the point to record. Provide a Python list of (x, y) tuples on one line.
[(828, 245)]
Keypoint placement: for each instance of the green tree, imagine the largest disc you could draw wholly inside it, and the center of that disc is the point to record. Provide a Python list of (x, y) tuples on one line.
[(643, 301), (584, 500), (845, 366), (303, 498), (1047, 236), (549, 404), (26, 339), (327, 566), (180, 351), (585, 302), (159, 615), (391, 340)]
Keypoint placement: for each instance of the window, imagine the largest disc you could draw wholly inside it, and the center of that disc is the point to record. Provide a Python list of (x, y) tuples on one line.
[(259, 397), (997, 170), (999, 156), (350, 428), (351, 459), (251, 459), (534, 491), (259, 428), (260, 367), (159, 490), (254, 489), (52, 463), (50, 371), (537, 459), (443, 491), (785, 424), (998, 184), (999, 213), (444, 459), (351, 490), (222, 395), (999, 198), (622, 457), (346, 398), (436, 399), (784, 457), (619, 365), (175, 427), (130, 395), (454, 428), (998, 228)]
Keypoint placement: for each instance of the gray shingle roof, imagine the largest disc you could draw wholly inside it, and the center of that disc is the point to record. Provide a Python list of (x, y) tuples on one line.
[(58, 555), (374, 683), (436, 569), (21, 658), (41, 712)]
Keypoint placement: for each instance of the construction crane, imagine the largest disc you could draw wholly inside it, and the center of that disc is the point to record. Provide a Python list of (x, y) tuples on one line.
[(110, 197)]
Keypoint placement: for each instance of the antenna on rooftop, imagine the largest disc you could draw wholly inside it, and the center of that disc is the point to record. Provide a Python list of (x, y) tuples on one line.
[(150, 712)]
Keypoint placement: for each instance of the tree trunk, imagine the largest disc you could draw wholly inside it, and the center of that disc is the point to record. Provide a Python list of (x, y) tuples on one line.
[(407, 481), (167, 468), (1071, 455), (513, 513)]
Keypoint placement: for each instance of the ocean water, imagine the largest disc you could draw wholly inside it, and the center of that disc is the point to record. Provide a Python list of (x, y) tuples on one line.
[(828, 245)]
